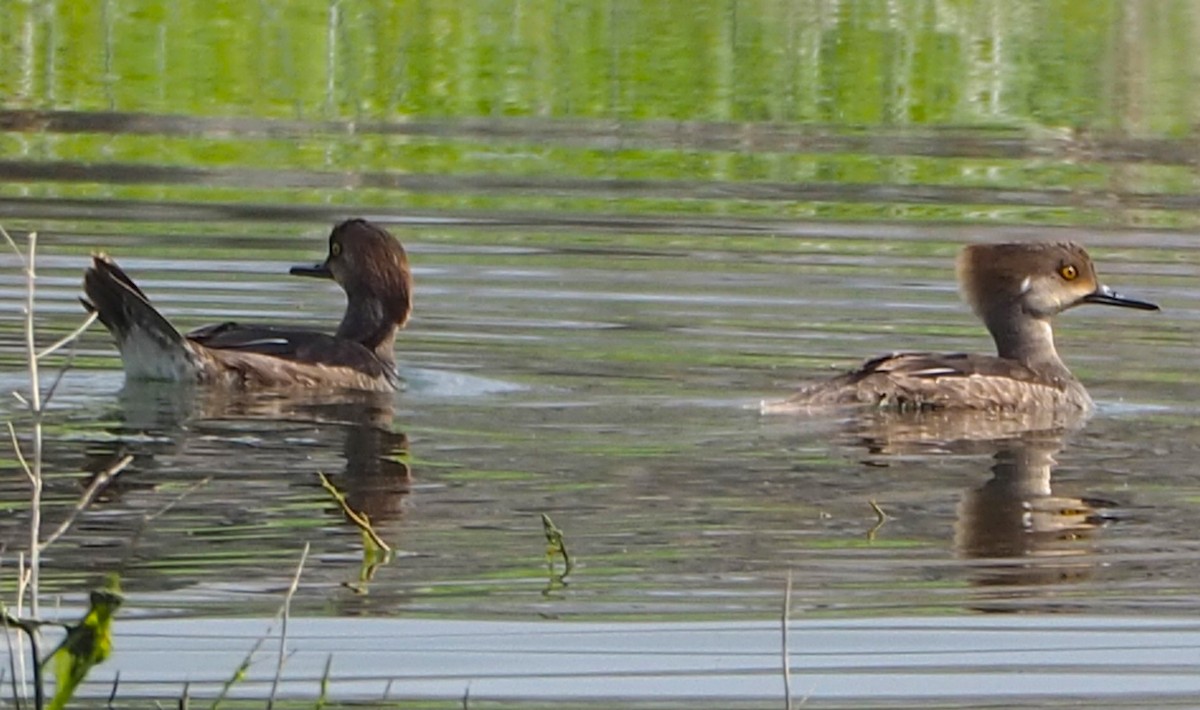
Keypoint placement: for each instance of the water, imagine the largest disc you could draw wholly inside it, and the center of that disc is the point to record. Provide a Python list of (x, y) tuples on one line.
[(612, 268)]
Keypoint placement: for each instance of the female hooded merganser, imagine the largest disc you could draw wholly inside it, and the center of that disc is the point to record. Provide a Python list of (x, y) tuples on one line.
[(1015, 289), (366, 261)]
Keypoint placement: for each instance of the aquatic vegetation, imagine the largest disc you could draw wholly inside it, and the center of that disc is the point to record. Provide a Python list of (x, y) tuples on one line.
[(556, 546), (375, 550), (89, 642)]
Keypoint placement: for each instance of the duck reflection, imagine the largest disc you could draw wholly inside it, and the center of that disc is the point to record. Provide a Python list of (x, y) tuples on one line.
[(1014, 525), (960, 432), (1028, 534), (264, 433)]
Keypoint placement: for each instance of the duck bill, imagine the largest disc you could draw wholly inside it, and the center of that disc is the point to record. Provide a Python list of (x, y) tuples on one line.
[(320, 271), (1105, 296)]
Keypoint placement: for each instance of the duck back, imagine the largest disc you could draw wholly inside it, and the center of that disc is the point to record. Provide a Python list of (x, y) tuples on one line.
[(934, 381)]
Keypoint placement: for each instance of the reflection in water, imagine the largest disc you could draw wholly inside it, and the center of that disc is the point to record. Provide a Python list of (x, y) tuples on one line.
[(283, 427), (1028, 535), (961, 432), (1025, 534), (237, 473)]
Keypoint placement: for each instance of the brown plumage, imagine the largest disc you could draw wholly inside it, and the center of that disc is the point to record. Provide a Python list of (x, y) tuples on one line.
[(1015, 289), (366, 261)]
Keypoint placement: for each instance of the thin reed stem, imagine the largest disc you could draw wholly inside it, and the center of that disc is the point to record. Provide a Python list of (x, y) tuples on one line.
[(787, 656), (70, 337), (286, 612), (98, 483), (35, 409)]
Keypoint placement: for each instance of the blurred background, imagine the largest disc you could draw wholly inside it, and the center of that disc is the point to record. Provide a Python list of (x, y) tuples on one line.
[(1043, 112)]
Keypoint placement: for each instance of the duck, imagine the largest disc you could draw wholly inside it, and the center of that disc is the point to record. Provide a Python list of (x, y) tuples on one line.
[(1016, 289), (363, 258)]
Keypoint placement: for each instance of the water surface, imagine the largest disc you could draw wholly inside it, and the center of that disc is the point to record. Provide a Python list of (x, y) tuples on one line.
[(613, 267)]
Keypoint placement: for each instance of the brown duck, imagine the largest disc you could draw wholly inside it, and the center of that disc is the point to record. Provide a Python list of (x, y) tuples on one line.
[(364, 259), (1016, 289)]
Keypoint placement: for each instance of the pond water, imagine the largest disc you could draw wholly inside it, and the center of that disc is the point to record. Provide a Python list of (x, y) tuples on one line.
[(627, 228)]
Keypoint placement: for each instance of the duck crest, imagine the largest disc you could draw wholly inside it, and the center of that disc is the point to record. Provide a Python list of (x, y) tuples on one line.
[(1015, 289)]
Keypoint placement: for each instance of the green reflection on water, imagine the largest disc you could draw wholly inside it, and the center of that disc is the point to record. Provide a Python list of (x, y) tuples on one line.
[(339, 102), (854, 63)]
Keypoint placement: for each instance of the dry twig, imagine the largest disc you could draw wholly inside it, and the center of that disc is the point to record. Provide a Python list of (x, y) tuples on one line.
[(98, 483), (787, 656), (286, 611)]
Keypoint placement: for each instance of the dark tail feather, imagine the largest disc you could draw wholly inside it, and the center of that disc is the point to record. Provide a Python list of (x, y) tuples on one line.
[(150, 347)]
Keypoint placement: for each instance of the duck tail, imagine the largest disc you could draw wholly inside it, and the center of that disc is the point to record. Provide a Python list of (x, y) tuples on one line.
[(151, 348)]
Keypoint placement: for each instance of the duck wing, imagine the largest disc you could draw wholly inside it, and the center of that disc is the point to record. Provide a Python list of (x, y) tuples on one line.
[(927, 381), (307, 347), (936, 366)]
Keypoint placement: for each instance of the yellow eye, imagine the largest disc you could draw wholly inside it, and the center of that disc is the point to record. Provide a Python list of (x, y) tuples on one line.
[(335, 248), (1068, 272)]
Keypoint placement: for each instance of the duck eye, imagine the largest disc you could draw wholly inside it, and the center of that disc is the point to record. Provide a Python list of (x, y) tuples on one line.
[(1068, 272), (335, 249)]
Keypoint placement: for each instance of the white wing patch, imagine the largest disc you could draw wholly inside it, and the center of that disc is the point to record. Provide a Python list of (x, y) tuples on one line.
[(933, 372), (261, 341)]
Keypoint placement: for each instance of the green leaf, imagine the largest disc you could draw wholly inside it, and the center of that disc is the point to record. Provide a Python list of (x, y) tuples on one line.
[(86, 645)]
